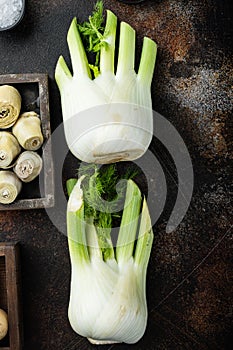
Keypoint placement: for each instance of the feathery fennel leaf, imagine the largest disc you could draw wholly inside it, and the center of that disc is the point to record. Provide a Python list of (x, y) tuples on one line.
[(92, 34), (103, 191)]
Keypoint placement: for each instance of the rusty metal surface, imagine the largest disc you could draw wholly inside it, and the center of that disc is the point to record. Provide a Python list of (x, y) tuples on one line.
[(189, 283)]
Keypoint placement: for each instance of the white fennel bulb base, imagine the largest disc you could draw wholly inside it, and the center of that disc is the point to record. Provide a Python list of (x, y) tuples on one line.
[(107, 303), (106, 134)]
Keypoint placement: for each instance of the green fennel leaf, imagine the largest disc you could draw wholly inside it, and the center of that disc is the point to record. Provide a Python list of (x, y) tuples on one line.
[(92, 33), (104, 195), (104, 192)]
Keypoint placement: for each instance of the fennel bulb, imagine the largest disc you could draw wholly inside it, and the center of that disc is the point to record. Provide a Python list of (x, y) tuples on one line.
[(108, 285), (108, 118)]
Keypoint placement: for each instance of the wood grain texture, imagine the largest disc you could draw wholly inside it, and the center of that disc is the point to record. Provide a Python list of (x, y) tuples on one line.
[(10, 295)]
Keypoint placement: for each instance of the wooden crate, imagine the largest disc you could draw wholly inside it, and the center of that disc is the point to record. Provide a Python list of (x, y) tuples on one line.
[(33, 89), (10, 295)]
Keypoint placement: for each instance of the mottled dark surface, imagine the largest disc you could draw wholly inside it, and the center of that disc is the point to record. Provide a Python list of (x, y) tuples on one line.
[(189, 283)]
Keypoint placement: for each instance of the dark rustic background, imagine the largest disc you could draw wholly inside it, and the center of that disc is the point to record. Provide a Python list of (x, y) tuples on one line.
[(189, 283)]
